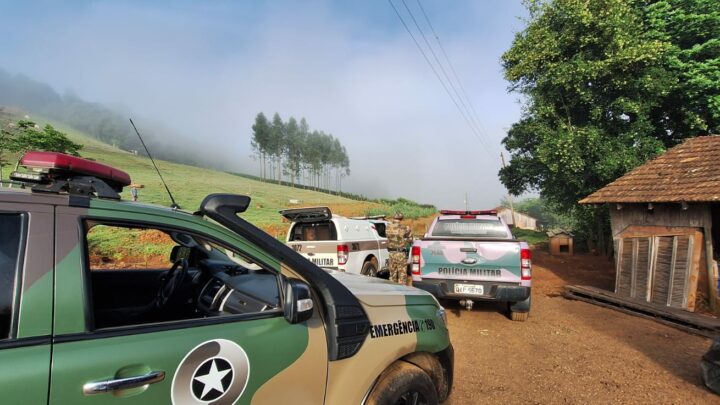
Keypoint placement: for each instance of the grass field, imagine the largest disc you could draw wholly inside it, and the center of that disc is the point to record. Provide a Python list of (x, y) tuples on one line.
[(529, 236)]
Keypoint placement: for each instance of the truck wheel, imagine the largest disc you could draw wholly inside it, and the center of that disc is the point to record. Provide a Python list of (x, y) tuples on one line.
[(369, 269), (519, 311), (403, 383)]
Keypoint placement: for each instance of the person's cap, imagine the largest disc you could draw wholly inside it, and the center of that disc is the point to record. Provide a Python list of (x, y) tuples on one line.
[(398, 216)]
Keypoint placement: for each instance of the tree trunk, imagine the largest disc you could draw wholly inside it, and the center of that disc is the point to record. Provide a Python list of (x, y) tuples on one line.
[(279, 168)]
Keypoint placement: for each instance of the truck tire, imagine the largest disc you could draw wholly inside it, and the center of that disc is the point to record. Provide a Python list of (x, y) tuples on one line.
[(519, 311), (519, 316), (403, 383), (369, 268)]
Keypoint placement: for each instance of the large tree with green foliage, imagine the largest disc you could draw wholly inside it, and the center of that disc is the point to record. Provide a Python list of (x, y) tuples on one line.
[(607, 84), (23, 136)]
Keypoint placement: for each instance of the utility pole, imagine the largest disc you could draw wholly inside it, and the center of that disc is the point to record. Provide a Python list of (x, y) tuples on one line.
[(466, 205), (509, 197)]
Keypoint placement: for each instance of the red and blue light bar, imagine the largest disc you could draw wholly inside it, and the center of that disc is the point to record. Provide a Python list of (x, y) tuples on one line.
[(468, 213), (53, 162)]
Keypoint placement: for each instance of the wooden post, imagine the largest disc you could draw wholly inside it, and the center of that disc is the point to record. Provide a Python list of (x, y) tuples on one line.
[(712, 283)]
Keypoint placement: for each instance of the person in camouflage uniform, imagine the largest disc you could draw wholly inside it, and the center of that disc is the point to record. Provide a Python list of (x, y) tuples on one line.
[(398, 237)]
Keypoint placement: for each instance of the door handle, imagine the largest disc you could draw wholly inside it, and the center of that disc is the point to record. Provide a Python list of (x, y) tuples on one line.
[(101, 387), (469, 261)]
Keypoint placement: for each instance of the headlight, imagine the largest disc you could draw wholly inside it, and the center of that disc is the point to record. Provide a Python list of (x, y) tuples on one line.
[(442, 316)]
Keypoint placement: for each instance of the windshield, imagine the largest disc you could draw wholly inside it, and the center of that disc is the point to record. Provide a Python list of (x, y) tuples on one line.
[(473, 228)]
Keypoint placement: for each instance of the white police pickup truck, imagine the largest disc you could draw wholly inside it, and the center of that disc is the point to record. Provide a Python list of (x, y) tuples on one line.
[(336, 242), (473, 256)]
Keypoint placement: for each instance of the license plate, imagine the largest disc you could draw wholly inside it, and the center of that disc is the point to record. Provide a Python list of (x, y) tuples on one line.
[(468, 289)]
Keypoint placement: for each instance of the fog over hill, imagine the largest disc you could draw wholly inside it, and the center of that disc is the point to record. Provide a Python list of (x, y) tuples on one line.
[(110, 124), (202, 71)]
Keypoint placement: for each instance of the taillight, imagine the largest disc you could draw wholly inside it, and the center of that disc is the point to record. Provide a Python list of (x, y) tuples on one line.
[(525, 264), (342, 254), (415, 260)]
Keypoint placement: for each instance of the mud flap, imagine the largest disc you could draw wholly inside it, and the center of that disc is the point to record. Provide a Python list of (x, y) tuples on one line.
[(710, 366)]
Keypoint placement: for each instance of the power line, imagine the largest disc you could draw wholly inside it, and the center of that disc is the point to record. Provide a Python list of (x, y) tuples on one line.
[(452, 68), (437, 75), (440, 64)]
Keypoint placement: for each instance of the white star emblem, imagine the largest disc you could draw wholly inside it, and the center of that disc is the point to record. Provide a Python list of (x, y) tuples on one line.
[(212, 380)]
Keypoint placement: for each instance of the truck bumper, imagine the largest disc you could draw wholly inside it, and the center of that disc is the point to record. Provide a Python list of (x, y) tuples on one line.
[(443, 289)]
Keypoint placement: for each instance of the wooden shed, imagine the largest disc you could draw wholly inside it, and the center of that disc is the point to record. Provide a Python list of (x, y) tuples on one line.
[(560, 242), (665, 217)]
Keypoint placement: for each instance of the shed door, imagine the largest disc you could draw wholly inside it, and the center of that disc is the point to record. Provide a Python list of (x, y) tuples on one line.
[(657, 269)]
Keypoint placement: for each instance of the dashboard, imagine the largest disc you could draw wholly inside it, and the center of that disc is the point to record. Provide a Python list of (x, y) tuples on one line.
[(234, 289)]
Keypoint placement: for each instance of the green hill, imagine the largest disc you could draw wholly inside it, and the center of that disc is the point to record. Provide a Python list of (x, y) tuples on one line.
[(191, 184)]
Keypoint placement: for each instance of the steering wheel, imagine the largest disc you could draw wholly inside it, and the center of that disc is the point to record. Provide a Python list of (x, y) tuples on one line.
[(170, 282)]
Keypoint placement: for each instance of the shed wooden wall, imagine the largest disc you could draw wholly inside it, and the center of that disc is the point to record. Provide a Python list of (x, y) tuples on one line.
[(636, 216), (696, 216), (524, 221)]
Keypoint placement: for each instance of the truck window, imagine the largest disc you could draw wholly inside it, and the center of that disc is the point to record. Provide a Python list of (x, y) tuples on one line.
[(472, 228), (11, 239), (313, 231), (115, 247), (381, 229), (146, 275)]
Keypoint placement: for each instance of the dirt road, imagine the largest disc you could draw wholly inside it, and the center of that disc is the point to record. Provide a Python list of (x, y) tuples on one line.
[(570, 351)]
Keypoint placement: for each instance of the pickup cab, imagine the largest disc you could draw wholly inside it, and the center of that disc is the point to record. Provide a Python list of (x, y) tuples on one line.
[(336, 242), (105, 301), (472, 256)]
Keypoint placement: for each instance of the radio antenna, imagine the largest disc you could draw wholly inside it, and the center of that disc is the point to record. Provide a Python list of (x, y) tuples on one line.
[(174, 204)]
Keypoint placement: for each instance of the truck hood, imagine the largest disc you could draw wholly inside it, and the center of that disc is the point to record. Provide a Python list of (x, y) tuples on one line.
[(377, 292)]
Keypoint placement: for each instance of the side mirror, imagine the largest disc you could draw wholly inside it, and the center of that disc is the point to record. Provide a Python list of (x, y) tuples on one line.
[(298, 306)]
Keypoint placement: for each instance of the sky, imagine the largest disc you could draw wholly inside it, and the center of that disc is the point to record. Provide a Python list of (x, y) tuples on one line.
[(205, 69)]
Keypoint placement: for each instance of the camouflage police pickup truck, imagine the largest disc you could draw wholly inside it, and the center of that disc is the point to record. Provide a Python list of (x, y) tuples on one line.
[(472, 255), (230, 315)]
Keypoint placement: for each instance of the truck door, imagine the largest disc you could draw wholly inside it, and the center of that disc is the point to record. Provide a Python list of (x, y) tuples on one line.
[(115, 340), (26, 281)]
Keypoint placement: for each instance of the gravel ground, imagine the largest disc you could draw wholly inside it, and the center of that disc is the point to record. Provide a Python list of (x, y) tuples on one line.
[(571, 351)]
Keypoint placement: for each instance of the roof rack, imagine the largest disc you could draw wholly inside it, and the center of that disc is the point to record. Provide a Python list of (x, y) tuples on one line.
[(53, 172)]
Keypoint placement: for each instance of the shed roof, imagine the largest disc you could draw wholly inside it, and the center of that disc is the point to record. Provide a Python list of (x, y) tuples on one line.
[(688, 172), (558, 232)]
